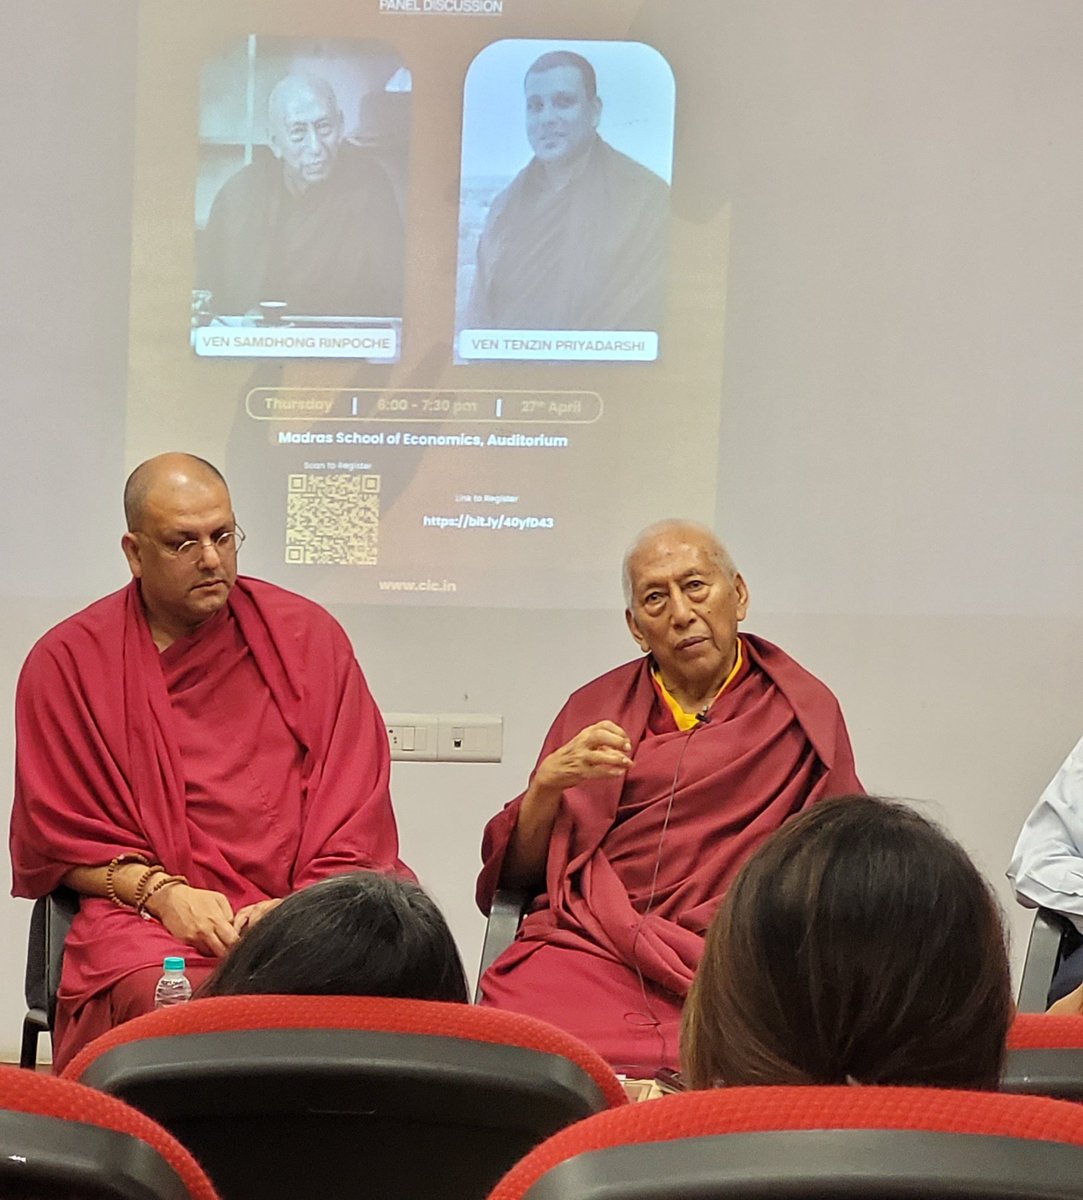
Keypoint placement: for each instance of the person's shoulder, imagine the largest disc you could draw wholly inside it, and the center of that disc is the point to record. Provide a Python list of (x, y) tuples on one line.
[(280, 603), (305, 622), (628, 172), (361, 163), (794, 679), (513, 191), (94, 626), (256, 178)]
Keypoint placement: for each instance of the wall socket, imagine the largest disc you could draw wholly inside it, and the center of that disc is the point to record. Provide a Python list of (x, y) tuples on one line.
[(445, 737)]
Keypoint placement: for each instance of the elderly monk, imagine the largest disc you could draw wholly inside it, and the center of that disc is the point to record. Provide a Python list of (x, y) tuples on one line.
[(190, 750), (315, 227), (656, 782), (579, 238)]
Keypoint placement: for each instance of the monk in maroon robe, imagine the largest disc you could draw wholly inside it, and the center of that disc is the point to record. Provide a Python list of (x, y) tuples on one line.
[(580, 237), (190, 750), (654, 784), (312, 222)]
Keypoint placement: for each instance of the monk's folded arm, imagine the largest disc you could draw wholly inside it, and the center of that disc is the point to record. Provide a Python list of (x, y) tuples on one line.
[(94, 881), (528, 849)]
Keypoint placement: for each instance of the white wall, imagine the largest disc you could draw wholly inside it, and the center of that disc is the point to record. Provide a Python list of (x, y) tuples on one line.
[(899, 455)]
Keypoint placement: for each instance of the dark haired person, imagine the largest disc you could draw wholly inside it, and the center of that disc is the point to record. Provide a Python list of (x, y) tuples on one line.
[(859, 944), (654, 784), (313, 222), (189, 749), (579, 238), (358, 934)]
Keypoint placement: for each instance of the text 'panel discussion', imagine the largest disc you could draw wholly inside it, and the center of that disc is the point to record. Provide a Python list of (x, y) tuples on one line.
[(542, 643)]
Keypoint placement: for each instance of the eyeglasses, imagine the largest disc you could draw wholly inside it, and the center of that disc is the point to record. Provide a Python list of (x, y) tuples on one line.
[(191, 551)]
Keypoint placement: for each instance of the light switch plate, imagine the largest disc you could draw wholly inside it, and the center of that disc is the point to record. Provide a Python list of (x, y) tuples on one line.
[(445, 737)]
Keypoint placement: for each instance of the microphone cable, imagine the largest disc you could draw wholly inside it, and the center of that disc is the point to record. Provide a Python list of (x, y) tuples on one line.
[(653, 1021)]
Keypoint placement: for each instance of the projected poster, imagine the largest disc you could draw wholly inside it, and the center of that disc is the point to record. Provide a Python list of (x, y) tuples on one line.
[(439, 291)]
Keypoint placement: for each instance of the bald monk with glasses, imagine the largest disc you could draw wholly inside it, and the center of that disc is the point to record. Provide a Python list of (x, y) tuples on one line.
[(189, 751)]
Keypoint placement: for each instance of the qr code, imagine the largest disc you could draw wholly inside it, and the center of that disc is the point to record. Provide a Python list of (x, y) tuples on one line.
[(332, 519)]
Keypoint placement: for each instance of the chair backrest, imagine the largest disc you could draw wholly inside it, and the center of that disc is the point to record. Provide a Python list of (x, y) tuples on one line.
[(50, 920), (62, 1140), (387, 1097), (812, 1142), (1045, 1056)]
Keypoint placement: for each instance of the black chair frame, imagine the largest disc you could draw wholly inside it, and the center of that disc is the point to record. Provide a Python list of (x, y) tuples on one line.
[(821, 1165), (505, 916), (1055, 1071), (390, 1114), (50, 921), (49, 1158), (1052, 938)]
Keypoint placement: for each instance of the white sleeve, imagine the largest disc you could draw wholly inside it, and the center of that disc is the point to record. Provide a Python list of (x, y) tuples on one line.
[(1047, 866)]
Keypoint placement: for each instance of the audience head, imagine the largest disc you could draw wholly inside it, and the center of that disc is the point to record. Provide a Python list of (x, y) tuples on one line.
[(359, 934), (859, 944)]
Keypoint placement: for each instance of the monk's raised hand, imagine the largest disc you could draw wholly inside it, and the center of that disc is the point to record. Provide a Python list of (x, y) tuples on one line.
[(600, 751), (198, 916)]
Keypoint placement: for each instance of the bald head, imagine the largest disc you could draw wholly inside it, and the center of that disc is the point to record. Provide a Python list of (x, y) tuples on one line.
[(685, 603), (181, 543), (165, 472), (673, 526), (306, 127), (565, 58), (293, 89)]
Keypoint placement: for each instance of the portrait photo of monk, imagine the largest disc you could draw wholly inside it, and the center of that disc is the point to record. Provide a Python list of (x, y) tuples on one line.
[(565, 192), (300, 194)]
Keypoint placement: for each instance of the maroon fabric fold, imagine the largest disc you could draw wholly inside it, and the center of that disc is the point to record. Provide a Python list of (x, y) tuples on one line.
[(589, 256), (100, 769), (336, 249), (637, 901)]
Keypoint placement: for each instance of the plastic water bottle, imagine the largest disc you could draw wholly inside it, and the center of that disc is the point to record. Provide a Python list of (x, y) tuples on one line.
[(173, 987)]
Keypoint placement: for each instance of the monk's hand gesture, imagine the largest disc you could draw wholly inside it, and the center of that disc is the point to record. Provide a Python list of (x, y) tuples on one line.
[(600, 751), (198, 916)]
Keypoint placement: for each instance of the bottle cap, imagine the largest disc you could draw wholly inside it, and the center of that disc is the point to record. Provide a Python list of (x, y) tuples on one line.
[(173, 964)]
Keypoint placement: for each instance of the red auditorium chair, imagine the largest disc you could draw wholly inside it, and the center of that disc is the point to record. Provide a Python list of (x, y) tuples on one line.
[(335, 1096), (815, 1143), (62, 1141), (1045, 1056)]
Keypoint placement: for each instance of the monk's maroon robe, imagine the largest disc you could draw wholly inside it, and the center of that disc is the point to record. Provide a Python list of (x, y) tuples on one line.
[(591, 255), (249, 757), (597, 954), (335, 250)]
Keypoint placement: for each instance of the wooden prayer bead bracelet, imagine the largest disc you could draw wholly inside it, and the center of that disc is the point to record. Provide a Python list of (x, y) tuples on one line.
[(164, 882), (111, 876), (146, 886)]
